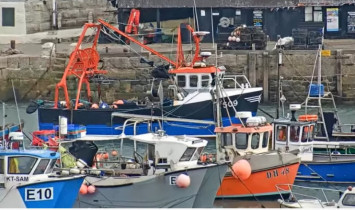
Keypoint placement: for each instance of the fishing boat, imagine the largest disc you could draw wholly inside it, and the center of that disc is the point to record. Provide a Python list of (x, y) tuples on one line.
[(298, 136), (165, 172), (250, 141), (27, 179), (189, 92), (317, 198), (329, 127)]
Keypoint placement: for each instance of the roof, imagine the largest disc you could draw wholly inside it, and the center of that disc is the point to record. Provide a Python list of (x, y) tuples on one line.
[(152, 138), (191, 70), (205, 3), (238, 128), (41, 153), (289, 122)]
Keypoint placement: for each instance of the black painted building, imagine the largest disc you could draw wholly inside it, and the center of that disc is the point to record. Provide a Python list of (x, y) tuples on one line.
[(276, 17)]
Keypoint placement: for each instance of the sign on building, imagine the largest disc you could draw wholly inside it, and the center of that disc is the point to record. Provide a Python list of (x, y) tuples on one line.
[(332, 19)]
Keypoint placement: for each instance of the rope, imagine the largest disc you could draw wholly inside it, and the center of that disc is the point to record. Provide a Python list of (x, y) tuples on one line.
[(256, 199)]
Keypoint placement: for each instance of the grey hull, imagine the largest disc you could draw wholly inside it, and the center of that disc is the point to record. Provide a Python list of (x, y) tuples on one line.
[(156, 191)]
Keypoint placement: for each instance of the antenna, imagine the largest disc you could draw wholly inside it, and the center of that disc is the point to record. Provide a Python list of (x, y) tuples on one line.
[(3, 123), (18, 113), (196, 16), (212, 31)]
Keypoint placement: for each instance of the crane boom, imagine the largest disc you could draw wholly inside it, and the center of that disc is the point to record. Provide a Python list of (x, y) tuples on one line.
[(137, 42)]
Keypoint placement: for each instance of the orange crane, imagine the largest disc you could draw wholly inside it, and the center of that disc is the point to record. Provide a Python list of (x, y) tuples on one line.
[(83, 65), (180, 56), (133, 22)]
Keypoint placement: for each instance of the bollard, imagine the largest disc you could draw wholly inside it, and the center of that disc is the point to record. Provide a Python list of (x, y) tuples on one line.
[(13, 44)]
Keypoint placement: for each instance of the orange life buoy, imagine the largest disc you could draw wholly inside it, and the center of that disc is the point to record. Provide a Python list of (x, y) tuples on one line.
[(308, 117)]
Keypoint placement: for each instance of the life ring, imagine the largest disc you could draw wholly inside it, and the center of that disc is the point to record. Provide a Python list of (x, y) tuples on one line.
[(307, 118)]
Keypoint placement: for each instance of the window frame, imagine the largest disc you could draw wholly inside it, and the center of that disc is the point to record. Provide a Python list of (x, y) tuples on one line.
[(3, 17), (21, 172), (245, 146), (193, 77), (188, 154), (180, 81)]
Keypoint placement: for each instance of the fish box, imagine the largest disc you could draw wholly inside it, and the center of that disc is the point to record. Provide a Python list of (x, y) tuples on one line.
[(76, 131), (314, 90)]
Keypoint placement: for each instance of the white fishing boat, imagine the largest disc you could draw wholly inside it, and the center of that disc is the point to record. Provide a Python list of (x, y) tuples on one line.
[(168, 174), (302, 200)]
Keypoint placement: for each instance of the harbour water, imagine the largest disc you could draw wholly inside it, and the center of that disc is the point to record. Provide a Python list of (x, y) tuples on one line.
[(346, 113)]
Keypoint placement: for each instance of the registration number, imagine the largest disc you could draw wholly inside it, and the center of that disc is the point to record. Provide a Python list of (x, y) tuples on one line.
[(39, 194), (276, 173)]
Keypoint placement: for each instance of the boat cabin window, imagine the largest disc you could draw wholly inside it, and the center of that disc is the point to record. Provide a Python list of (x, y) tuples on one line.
[(265, 139), (197, 153), (2, 166), (41, 167), (255, 139), (205, 80), (241, 140), (349, 200), (193, 80), (311, 133), (188, 154), (181, 80), (21, 165), (162, 160), (281, 132), (227, 139), (305, 134), (294, 133), (51, 166)]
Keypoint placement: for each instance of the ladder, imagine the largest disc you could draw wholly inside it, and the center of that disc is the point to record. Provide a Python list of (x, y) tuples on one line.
[(318, 98), (320, 110)]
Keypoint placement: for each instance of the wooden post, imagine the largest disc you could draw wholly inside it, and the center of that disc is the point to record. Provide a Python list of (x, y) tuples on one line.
[(266, 76), (252, 68), (339, 72)]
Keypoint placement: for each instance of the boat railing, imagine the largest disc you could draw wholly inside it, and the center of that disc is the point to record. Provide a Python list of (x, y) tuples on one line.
[(283, 188), (239, 81)]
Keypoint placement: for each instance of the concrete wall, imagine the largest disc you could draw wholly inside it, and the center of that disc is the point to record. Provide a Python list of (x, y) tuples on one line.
[(20, 18), (70, 13), (35, 77)]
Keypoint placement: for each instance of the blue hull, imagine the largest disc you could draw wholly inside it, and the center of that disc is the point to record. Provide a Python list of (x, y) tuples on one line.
[(327, 172), (171, 128), (51, 194)]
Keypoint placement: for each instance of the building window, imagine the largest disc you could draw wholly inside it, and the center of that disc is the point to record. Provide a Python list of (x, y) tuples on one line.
[(308, 14), (317, 14), (8, 16), (313, 14)]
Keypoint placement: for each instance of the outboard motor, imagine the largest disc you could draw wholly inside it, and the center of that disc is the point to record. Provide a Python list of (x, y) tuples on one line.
[(84, 150)]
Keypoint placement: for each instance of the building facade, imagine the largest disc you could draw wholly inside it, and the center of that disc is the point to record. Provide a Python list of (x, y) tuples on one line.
[(12, 17), (276, 17)]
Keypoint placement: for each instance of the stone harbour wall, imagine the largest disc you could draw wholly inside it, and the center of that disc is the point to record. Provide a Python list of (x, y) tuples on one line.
[(70, 13), (35, 77)]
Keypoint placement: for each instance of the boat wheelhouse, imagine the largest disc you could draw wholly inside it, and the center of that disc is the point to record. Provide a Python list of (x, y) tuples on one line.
[(251, 141)]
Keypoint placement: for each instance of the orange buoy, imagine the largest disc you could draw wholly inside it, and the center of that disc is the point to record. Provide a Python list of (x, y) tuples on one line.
[(91, 189), (203, 158), (83, 189), (183, 181), (308, 117), (114, 153), (241, 169), (105, 155), (118, 102), (94, 106)]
